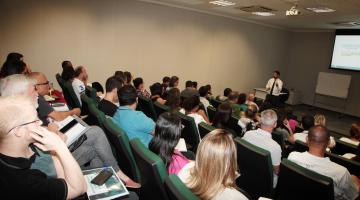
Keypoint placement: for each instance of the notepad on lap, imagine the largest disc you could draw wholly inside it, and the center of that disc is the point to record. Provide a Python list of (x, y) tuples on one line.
[(72, 128)]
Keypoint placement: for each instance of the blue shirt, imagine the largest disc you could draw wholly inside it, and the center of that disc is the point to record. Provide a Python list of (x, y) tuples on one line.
[(135, 123)]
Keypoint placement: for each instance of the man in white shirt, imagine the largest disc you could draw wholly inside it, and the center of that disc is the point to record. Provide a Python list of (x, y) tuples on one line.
[(274, 87), (307, 122), (80, 81), (262, 138), (346, 186)]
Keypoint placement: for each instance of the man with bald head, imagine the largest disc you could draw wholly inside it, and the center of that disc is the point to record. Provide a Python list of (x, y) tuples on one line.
[(45, 110), (346, 186)]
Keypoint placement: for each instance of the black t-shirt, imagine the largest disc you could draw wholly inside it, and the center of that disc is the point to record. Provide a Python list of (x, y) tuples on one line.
[(18, 181), (44, 110), (107, 107)]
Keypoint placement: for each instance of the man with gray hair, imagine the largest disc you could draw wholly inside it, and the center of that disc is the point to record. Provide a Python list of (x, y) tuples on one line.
[(262, 138)]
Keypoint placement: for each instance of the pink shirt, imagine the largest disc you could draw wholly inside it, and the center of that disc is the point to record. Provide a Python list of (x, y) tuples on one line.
[(293, 124), (178, 162)]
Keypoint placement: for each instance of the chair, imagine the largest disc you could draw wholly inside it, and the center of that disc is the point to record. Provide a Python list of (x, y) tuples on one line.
[(342, 147), (204, 129), (85, 101), (189, 132), (97, 116), (152, 170), (66, 94), (351, 165), (120, 142), (233, 125), (147, 107), (300, 146), (297, 182), (159, 108), (91, 92), (255, 168), (214, 102), (211, 111), (70, 95), (279, 138), (176, 189), (60, 80)]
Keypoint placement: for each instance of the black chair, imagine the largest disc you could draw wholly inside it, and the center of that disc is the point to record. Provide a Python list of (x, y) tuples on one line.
[(300, 146), (153, 172), (204, 129), (147, 107), (124, 155), (211, 111), (342, 147), (214, 102), (70, 96), (279, 138), (351, 165), (159, 108), (176, 189), (255, 168), (189, 132), (233, 125), (298, 183)]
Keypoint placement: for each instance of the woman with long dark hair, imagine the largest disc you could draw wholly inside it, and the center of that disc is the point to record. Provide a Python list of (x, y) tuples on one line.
[(166, 137)]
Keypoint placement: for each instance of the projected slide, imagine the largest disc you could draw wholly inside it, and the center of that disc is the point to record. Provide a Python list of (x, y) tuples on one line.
[(346, 54)]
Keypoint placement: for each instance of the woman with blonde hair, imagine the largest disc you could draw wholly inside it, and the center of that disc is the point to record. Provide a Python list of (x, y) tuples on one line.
[(212, 175), (320, 119)]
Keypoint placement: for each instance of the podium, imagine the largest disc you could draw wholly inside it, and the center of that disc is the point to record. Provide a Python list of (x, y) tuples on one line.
[(261, 93)]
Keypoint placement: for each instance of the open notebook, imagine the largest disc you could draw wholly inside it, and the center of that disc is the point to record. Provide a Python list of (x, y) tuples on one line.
[(74, 130)]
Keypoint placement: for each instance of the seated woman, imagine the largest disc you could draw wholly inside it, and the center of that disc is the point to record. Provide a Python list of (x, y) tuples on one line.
[(173, 99), (354, 135), (212, 175), (166, 137), (191, 107), (248, 119), (320, 120), (156, 90), (242, 102), (140, 88), (283, 126), (222, 117)]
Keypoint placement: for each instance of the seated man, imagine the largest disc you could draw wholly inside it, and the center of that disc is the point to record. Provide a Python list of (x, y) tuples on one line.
[(307, 122), (135, 123), (189, 91), (95, 149), (17, 132), (262, 138), (80, 81), (109, 104), (318, 138)]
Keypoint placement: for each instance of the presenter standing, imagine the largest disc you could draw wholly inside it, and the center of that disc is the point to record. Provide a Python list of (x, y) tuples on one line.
[(274, 87)]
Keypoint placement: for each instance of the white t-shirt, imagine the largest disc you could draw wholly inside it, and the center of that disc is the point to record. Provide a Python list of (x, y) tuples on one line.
[(350, 141), (263, 139), (277, 88), (79, 88), (344, 187), (227, 194), (302, 137), (205, 102)]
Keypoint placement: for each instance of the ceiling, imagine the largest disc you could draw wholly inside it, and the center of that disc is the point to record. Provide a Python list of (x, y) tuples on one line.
[(346, 10)]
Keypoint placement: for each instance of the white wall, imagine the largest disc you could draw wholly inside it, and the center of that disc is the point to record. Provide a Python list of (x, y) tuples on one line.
[(149, 40), (309, 54)]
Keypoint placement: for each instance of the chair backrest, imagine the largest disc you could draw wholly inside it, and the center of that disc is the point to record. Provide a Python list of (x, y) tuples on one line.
[(159, 108), (124, 155), (297, 182), (176, 189), (279, 138), (300, 146), (351, 165), (91, 92), (214, 102), (189, 132), (233, 125), (70, 95), (60, 80), (66, 94), (85, 101), (96, 114), (211, 111), (342, 147), (147, 107), (152, 169), (255, 168), (204, 129)]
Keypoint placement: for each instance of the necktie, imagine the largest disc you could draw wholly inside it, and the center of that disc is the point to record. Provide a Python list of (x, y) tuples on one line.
[(272, 87)]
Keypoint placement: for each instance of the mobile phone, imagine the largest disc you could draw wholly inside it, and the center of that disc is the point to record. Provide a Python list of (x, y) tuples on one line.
[(102, 177)]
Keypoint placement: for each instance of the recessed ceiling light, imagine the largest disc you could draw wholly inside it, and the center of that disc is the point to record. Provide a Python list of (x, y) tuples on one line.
[(321, 9), (264, 14), (222, 3)]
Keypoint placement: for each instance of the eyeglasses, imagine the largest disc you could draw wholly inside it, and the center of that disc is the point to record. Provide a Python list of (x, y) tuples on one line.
[(46, 83), (23, 125)]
